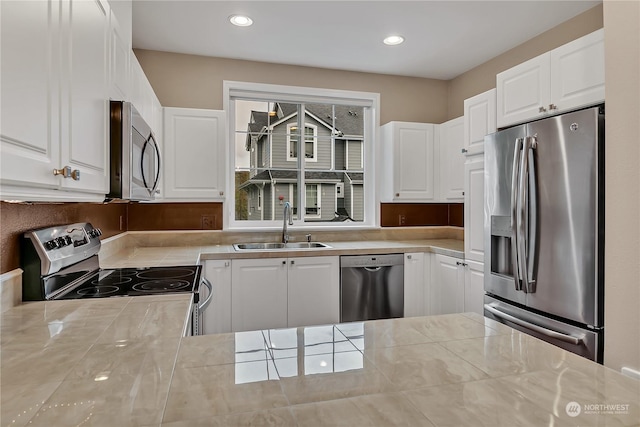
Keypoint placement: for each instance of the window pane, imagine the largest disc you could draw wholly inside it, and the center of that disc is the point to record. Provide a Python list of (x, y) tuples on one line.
[(267, 144)]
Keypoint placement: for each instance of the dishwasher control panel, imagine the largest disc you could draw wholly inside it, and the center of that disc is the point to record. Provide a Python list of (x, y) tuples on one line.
[(371, 260)]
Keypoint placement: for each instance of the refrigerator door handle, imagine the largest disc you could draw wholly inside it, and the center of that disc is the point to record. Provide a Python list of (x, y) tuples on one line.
[(532, 210), (522, 229), (514, 210), (533, 327)]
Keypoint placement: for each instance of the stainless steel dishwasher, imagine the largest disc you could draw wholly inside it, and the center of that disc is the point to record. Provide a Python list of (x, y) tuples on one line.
[(371, 287)]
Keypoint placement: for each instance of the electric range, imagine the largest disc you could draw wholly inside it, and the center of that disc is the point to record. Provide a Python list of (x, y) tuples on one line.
[(61, 263)]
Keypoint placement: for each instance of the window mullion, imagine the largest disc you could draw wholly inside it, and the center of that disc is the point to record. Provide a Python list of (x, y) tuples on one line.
[(301, 163)]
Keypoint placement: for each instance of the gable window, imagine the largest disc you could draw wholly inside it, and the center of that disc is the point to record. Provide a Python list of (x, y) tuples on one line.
[(312, 148)]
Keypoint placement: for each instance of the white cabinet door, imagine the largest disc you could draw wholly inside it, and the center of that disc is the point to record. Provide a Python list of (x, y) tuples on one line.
[(314, 291), (217, 317), (474, 287), (30, 149), (451, 161), (523, 91), (414, 284), (194, 154), (84, 95), (119, 57), (474, 221), (447, 285), (408, 151), (258, 294), (577, 72), (479, 120)]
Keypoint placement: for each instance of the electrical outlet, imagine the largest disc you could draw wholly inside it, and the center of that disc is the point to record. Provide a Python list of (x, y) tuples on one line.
[(402, 220), (208, 221)]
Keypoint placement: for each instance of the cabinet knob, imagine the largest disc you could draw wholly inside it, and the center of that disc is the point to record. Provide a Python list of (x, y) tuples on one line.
[(292, 262), (408, 256), (464, 150), (222, 193), (553, 107), (284, 262), (66, 172), (397, 194), (542, 110)]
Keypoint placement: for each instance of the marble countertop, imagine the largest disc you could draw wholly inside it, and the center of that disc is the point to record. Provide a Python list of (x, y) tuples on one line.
[(177, 255), (123, 361)]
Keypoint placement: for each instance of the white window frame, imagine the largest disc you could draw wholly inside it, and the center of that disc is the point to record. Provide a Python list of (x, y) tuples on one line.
[(234, 90), (290, 158)]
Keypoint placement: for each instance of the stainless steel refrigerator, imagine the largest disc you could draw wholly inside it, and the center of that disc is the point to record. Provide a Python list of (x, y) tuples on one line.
[(544, 229)]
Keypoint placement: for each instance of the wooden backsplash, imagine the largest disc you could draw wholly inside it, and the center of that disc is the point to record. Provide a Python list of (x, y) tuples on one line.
[(421, 214)]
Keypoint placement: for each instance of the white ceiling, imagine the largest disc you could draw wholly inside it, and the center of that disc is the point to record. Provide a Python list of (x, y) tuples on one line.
[(443, 38)]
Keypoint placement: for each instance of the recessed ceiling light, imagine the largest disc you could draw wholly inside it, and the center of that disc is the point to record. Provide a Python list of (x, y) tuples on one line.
[(393, 40), (240, 20)]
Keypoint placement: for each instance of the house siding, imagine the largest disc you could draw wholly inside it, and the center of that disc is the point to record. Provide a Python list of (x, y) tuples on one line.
[(340, 155), (281, 190), (279, 138), (254, 213), (354, 155), (358, 202), (267, 202), (328, 202)]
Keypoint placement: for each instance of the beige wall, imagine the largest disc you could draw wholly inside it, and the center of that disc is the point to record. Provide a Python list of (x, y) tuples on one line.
[(483, 77), (622, 211), (196, 82)]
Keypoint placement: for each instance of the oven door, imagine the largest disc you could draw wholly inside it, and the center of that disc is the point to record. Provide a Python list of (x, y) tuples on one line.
[(145, 160)]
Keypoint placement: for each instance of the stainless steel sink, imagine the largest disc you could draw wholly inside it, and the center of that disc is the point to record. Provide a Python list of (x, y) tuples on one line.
[(274, 246)]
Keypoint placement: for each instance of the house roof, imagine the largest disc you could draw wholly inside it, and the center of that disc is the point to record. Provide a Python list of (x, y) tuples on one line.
[(269, 175)]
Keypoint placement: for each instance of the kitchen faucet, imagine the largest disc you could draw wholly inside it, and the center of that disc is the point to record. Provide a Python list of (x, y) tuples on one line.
[(287, 212)]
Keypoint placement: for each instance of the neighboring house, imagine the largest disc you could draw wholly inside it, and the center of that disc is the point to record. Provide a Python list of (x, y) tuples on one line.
[(333, 155)]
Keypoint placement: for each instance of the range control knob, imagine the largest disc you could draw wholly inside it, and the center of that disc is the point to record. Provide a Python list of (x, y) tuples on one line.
[(51, 244), (67, 240), (61, 242)]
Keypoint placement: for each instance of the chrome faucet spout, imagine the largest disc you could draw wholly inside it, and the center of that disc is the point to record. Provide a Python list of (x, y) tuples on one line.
[(286, 218)]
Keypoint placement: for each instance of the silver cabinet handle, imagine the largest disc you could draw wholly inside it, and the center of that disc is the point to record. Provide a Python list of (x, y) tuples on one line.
[(553, 107), (544, 331), (542, 110)]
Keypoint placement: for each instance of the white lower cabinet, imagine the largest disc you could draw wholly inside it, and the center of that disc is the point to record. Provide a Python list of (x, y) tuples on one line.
[(258, 294), (474, 287), (314, 291), (446, 290), (274, 293), (217, 317), (415, 282)]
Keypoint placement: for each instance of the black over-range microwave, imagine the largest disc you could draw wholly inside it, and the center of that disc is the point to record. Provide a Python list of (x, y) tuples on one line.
[(134, 155)]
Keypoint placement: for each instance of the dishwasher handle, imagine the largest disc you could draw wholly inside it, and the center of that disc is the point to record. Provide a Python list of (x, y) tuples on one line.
[(372, 268), (206, 302)]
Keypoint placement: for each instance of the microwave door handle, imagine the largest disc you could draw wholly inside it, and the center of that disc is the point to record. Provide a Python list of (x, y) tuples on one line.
[(158, 157), (514, 212), (144, 147)]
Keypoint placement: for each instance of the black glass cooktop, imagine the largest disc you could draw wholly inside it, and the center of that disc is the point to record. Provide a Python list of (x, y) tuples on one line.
[(137, 281)]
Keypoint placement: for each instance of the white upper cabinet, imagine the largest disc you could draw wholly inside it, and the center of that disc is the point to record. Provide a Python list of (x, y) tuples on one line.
[(523, 91), (408, 152), (479, 120), (55, 108), (451, 161), (563, 79), (85, 106), (577, 72), (119, 52), (194, 154), (30, 35), (474, 208)]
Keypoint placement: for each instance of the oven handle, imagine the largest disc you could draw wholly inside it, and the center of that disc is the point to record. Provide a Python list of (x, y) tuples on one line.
[(206, 302)]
